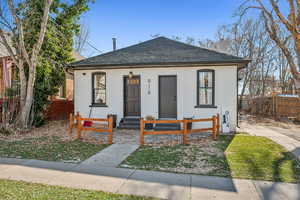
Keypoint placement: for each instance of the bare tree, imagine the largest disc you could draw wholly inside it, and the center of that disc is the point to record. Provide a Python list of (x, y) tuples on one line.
[(284, 74), (247, 39), (81, 40), (20, 53), (276, 21)]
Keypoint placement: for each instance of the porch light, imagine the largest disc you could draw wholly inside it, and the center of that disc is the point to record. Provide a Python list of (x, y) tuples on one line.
[(130, 75)]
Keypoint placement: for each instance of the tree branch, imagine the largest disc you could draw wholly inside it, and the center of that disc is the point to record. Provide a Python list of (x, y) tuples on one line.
[(292, 15), (298, 12), (272, 31), (21, 32), (275, 7), (38, 44)]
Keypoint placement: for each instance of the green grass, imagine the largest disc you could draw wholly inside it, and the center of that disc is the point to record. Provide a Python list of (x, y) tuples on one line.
[(18, 190), (150, 158), (49, 149), (260, 158), (239, 156)]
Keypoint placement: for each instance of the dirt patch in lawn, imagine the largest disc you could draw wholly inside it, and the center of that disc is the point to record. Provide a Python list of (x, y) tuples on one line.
[(203, 156), (50, 142), (58, 129)]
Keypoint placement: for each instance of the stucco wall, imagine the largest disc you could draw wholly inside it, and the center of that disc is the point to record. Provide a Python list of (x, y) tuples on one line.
[(225, 92)]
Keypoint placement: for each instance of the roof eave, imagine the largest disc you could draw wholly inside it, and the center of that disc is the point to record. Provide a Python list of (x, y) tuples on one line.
[(239, 63)]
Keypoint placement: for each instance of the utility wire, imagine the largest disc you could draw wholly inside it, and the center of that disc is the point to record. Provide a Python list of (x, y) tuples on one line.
[(62, 35)]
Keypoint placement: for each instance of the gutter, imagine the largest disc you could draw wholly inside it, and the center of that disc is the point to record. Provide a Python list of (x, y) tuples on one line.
[(240, 65)]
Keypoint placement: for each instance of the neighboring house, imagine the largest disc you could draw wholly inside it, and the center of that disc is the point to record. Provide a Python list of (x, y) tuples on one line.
[(163, 78), (9, 78), (8, 75)]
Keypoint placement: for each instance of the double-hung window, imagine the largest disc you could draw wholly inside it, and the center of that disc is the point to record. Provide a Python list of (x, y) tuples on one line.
[(99, 88), (206, 88)]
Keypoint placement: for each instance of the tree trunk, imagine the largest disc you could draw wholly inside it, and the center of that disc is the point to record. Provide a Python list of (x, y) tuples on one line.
[(297, 85), (23, 83), (295, 69), (26, 108)]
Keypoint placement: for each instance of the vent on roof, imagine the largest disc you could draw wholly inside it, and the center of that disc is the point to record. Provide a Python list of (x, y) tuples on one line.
[(114, 43)]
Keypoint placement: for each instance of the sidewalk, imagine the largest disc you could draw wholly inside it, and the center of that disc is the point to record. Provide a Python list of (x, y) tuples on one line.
[(146, 183), (111, 156)]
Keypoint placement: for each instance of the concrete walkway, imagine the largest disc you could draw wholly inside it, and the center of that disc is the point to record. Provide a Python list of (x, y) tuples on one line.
[(111, 156), (289, 143), (146, 183)]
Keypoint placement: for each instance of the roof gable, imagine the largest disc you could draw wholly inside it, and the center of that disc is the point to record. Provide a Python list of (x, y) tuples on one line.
[(161, 51)]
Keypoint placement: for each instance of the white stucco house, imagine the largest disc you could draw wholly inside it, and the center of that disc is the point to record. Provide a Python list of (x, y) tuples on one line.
[(162, 78)]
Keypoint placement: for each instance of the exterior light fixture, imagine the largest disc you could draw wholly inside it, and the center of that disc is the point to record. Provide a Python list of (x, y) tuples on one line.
[(130, 75)]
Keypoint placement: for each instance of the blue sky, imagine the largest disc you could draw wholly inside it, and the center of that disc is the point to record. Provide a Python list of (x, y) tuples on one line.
[(133, 21)]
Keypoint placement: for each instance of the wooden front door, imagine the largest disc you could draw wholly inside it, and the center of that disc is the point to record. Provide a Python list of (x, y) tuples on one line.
[(167, 96), (132, 96)]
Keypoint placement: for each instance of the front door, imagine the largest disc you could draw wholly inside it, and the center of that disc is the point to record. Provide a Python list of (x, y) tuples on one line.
[(132, 96), (167, 97)]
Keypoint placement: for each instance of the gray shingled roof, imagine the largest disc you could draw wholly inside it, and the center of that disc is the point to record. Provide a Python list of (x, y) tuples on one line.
[(159, 51)]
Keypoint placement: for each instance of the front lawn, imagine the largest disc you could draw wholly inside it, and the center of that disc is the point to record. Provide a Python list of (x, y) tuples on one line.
[(239, 156), (18, 190), (50, 148)]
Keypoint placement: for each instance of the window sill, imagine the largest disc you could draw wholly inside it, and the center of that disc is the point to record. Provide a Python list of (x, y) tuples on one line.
[(98, 105), (205, 106)]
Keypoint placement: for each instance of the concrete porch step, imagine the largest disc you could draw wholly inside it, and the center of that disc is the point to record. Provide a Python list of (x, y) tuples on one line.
[(129, 126), (129, 123)]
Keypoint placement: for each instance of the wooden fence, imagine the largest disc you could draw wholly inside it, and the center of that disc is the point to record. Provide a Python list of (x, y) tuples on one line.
[(59, 109), (184, 130), (9, 108), (100, 128), (277, 107)]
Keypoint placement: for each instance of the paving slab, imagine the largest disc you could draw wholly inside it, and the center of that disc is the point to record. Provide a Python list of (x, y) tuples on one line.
[(13, 161), (6, 163), (208, 187), (30, 174), (277, 191), (104, 171), (149, 183), (157, 184), (88, 181), (50, 165), (111, 156)]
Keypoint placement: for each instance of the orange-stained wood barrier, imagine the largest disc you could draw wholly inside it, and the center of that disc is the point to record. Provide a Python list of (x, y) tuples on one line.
[(182, 132), (215, 129), (103, 128)]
